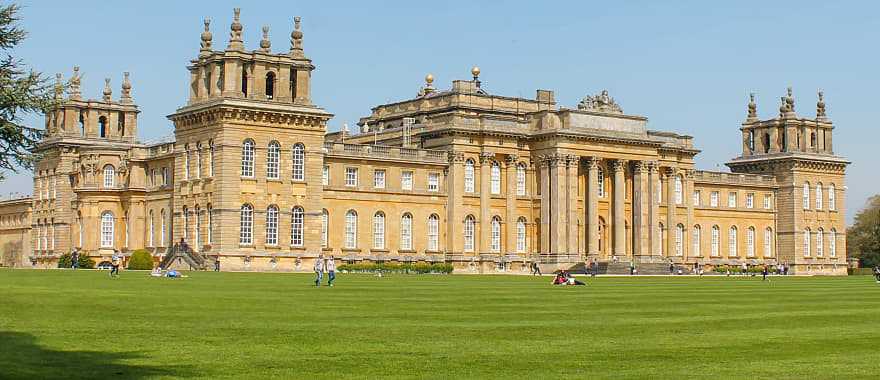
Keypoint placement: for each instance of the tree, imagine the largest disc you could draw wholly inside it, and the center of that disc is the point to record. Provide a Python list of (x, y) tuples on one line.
[(863, 238), (22, 91)]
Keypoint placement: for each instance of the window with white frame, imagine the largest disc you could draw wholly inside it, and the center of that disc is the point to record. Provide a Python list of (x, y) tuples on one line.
[(247, 158), (433, 233), (807, 242), (768, 201), (679, 198), (379, 178), (750, 200), (696, 236), (325, 226), (768, 242), (679, 240), (469, 176), (731, 200), (109, 177), (351, 229), (832, 204), (806, 196), (832, 243), (379, 230), (297, 219), (406, 180), (713, 199), (164, 176), (732, 242), (820, 242), (495, 178), (697, 197), (520, 179), (521, 235), (495, 244), (351, 177), (273, 160), (469, 226), (434, 182), (107, 229), (819, 196), (272, 225), (406, 243), (246, 225), (299, 162), (750, 242), (325, 175)]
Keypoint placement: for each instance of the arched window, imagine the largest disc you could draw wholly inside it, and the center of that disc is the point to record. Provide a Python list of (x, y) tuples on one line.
[(495, 245), (406, 232), (806, 195), (107, 229), (766, 143), (819, 196), (600, 182), (246, 235), (379, 230), (247, 158), (832, 205), (102, 126), (272, 225), (299, 162), (732, 242), (469, 176), (495, 178), (521, 179), (162, 228), (351, 229), (210, 224), (832, 243), (270, 85), (469, 223), (750, 242), (109, 177), (696, 237), (273, 156), (186, 155), (521, 235), (806, 242), (150, 239), (679, 240), (716, 238), (768, 242), (297, 217), (325, 224), (820, 242), (679, 198), (751, 141), (433, 233)]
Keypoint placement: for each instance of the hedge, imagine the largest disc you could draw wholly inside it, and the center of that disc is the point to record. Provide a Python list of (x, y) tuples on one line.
[(417, 268), (140, 260), (85, 262), (738, 269)]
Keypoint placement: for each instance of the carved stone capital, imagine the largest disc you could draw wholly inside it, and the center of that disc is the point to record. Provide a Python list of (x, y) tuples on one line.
[(618, 165), (640, 167), (592, 163), (670, 171), (653, 166), (511, 159), (486, 157), (454, 157), (572, 161)]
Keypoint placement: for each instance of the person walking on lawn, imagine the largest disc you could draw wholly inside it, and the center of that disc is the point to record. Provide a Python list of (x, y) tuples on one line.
[(319, 270), (764, 272), (74, 259), (331, 271), (115, 262)]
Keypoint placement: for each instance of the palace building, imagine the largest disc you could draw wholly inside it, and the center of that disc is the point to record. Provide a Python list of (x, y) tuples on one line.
[(487, 182)]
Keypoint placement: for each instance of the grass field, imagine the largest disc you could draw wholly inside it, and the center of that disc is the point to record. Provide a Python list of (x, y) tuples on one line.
[(82, 324)]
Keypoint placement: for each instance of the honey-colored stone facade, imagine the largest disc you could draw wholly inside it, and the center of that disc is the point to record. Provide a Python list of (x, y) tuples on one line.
[(489, 183)]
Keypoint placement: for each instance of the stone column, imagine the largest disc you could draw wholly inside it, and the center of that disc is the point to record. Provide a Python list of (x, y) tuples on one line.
[(656, 238), (619, 224), (544, 170), (454, 190), (641, 206), (510, 217), (485, 231), (592, 205), (671, 208), (689, 203), (557, 198), (572, 162)]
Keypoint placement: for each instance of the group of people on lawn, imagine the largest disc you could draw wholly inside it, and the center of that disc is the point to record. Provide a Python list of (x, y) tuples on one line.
[(321, 266)]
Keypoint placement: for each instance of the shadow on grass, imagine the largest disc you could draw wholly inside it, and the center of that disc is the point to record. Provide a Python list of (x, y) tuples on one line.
[(22, 358)]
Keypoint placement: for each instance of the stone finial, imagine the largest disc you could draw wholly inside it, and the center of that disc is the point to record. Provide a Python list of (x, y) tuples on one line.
[(783, 107), (429, 85), (126, 89), (789, 99), (75, 82), (107, 90), (753, 108), (59, 87), (820, 105), (235, 42), (296, 36), (265, 44), (206, 38)]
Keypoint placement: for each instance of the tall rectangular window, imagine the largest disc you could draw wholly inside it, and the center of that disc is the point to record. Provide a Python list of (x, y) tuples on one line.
[(433, 233), (768, 201), (731, 200), (433, 182), (273, 160), (469, 176), (379, 178), (495, 178), (713, 199), (325, 175), (406, 180), (831, 198), (520, 180), (198, 162), (806, 196), (697, 197), (351, 177), (750, 200), (186, 165)]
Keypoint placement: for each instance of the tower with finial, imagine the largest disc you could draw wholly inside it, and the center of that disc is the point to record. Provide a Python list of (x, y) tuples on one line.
[(125, 97), (206, 39), (296, 36), (265, 44), (235, 41), (107, 90), (75, 82), (753, 108), (820, 106)]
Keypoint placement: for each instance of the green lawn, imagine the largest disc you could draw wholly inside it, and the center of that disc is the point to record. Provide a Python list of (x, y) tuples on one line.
[(247, 325)]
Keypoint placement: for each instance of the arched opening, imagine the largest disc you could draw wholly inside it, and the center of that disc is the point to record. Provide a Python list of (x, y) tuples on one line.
[(293, 84), (379, 230), (751, 141), (297, 217), (433, 233), (270, 85), (120, 123), (244, 80), (107, 229), (246, 225), (102, 126), (766, 143), (82, 124), (406, 242), (469, 226)]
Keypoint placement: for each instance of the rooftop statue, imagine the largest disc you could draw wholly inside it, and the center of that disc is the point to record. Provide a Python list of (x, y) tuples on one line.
[(600, 103)]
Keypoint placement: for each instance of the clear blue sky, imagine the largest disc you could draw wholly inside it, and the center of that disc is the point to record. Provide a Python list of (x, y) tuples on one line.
[(687, 66)]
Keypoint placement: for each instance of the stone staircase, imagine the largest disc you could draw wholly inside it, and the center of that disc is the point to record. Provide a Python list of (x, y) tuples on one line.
[(182, 257)]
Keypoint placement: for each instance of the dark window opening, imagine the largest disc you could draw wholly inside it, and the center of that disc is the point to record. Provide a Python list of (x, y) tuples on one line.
[(766, 143), (292, 84), (121, 124), (270, 85), (813, 140), (244, 80), (102, 126), (82, 124)]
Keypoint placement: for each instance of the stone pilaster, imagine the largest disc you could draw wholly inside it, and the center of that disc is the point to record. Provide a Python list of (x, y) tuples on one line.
[(641, 209), (485, 164), (689, 202), (454, 190), (510, 205), (557, 201), (671, 208), (592, 206), (619, 224), (544, 169), (656, 237), (572, 162)]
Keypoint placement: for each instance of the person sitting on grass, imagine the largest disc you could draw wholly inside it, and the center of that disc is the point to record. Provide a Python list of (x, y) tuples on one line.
[(877, 273), (172, 274), (157, 272)]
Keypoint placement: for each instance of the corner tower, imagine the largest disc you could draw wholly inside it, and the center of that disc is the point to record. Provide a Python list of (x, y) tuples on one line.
[(249, 124), (798, 151)]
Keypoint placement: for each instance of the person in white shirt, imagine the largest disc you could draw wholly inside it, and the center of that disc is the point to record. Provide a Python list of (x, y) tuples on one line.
[(319, 269), (331, 271)]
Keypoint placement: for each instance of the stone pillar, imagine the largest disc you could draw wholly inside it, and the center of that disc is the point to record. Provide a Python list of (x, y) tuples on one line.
[(544, 170), (485, 231), (656, 237), (641, 207), (510, 217), (619, 224), (671, 208), (454, 190), (557, 199), (592, 205), (572, 162)]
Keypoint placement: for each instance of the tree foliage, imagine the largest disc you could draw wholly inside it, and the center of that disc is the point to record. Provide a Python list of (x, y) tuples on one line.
[(22, 91), (863, 238)]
